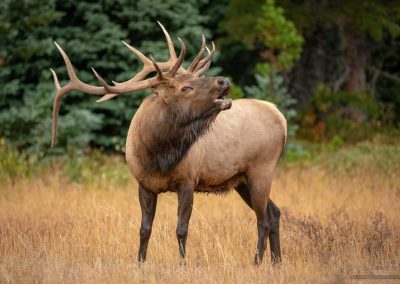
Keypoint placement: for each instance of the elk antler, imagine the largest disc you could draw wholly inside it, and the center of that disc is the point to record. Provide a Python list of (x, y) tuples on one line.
[(74, 84), (205, 63), (147, 65), (138, 82), (198, 66), (147, 62), (144, 84)]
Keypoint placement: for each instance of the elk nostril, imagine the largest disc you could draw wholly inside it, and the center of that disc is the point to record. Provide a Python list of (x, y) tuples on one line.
[(222, 82)]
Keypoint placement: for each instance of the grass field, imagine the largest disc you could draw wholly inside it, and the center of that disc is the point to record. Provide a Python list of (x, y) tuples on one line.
[(337, 221)]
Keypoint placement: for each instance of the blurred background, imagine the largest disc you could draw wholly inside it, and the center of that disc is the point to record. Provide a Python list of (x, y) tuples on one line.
[(332, 67)]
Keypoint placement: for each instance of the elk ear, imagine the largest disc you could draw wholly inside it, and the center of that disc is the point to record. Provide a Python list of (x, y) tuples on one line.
[(164, 92)]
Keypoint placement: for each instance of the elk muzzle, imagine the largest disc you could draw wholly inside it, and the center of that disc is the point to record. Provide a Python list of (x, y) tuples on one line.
[(223, 85)]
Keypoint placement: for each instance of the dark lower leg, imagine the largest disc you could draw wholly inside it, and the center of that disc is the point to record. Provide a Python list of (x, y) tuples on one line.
[(148, 203), (185, 204), (274, 215), (275, 247), (263, 228), (244, 193)]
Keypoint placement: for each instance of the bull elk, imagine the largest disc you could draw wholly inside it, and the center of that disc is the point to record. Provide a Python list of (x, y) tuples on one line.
[(188, 137)]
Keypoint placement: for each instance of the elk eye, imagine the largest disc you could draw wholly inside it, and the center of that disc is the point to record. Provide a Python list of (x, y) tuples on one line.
[(186, 89)]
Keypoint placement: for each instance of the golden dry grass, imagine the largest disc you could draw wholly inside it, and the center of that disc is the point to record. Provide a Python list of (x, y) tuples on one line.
[(333, 226)]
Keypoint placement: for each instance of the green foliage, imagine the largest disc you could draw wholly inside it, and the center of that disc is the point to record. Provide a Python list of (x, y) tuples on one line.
[(240, 19), (91, 33), (349, 116), (350, 44), (259, 36), (236, 92), (375, 157), (25, 47), (374, 17), (295, 152), (12, 163), (96, 168), (334, 144), (91, 168), (388, 84), (262, 23), (280, 36), (378, 154)]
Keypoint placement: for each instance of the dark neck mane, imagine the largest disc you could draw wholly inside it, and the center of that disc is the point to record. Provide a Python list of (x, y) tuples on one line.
[(166, 134)]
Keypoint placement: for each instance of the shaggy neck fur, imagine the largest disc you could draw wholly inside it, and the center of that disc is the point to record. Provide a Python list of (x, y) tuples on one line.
[(168, 134)]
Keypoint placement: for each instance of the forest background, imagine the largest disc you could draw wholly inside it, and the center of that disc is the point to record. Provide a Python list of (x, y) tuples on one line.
[(332, 67)]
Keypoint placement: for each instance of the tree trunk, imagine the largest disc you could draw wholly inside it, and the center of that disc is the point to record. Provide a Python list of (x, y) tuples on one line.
[(356, 57)]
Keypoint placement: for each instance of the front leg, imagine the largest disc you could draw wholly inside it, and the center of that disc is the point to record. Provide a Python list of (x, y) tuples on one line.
[(185, 205), (148, 203)]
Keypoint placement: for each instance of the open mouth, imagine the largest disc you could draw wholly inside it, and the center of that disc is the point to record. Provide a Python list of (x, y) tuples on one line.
[(222, 101), (220, 98), (223, 94)]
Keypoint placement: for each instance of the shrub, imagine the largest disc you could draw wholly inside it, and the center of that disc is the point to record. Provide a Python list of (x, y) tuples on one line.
[(350, 116)]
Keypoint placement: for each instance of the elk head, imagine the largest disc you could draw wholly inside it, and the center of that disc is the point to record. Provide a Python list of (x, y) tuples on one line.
[(184, 91)]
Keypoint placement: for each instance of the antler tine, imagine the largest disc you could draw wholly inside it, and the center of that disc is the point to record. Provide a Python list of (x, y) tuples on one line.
[(171, 48), (140, 85), (124, 88), (101, 80), (73, 84), (74, 80), (208, 53), (204, 69), (205, 63), (172, 52), (179, 61), (158, 70), (141, 56), (56, 105), (197, 59), (147, 66), (106, 97)]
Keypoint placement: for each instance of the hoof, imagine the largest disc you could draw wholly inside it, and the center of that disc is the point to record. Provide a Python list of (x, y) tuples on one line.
[(140, 262), (257, 260), (182, 262), (276, 260)]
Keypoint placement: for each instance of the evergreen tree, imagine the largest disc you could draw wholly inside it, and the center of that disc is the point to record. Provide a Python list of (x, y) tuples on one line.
[(91, 33), (262, 25)]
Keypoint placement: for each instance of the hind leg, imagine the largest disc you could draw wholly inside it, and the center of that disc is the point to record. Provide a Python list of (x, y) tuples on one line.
[(185, 205), (259, 185), (274, 242), (273, 214)]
